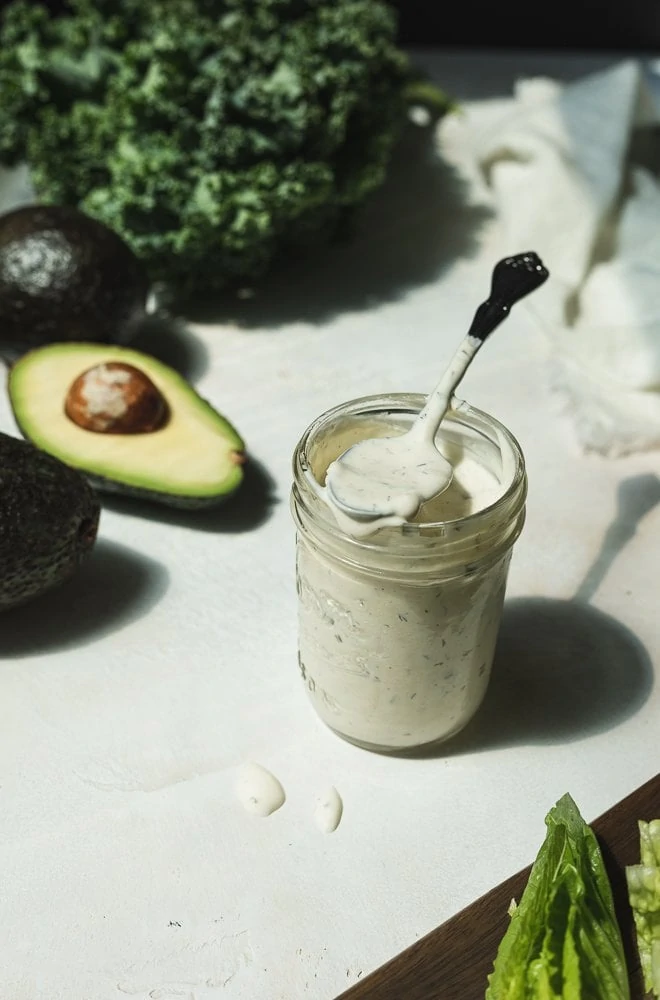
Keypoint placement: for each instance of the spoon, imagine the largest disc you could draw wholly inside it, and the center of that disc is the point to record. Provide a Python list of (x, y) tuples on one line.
[(391, 477)]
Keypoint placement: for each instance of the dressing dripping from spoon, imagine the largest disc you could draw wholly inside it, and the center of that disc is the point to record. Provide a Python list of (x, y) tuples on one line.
[(384, 481)]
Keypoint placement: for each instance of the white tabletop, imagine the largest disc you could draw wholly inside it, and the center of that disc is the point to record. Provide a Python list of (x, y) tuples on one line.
[(129, 699)]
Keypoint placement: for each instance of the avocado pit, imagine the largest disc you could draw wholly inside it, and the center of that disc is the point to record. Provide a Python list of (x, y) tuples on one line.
[(116, 398)]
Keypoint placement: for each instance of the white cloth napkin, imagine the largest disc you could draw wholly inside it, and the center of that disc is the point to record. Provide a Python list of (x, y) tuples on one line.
[(568, 169)]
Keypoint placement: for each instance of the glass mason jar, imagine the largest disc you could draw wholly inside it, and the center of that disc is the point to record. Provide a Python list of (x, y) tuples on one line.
[(397, 631)]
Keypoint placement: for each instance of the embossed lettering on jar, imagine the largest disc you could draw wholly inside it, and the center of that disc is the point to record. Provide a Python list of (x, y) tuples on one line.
[(397, 631)]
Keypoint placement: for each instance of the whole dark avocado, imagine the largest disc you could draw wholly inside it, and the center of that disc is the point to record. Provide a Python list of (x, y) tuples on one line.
[(65, 276), (49, 518)]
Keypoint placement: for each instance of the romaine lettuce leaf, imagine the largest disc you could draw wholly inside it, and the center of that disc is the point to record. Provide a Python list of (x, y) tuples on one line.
[(649, 842), (644, 894), (563, 941)]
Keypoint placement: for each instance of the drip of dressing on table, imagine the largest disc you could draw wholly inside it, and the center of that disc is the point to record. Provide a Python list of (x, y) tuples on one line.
[(328, 810), (259, 791)]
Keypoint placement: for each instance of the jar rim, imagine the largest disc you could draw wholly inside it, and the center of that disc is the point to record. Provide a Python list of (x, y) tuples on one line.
[(382, 403)]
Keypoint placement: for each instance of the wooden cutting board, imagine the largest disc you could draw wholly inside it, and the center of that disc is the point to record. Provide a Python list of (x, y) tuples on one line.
[(453, 961)]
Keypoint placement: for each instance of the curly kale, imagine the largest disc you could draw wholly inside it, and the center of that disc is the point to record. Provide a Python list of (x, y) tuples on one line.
[(211, 135)]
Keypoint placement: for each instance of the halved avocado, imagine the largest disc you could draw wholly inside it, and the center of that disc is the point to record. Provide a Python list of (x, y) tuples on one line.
[(192, 459)]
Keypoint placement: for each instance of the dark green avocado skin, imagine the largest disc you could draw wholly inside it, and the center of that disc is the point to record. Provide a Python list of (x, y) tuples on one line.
[(174, 500), (65, 276), (49, 518)]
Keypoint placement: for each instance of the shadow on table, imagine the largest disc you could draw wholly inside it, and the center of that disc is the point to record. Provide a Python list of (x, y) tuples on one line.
[(246, 509), (409, 231), (169, 339), (115, 587), (562, 671), (636, 497)]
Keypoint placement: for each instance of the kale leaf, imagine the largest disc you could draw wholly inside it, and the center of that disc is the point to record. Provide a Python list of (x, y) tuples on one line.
[(212, 135)]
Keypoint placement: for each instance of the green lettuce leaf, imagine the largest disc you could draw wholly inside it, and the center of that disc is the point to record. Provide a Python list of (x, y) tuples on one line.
[(649, 843), (563, 941), (644, 894)]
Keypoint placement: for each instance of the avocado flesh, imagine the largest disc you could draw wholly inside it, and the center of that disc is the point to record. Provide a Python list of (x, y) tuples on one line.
[(48, 521), (193, 461)]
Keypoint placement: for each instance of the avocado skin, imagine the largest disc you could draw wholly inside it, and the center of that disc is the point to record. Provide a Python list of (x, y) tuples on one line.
[(174, 500), (49, 519), (65, 276)]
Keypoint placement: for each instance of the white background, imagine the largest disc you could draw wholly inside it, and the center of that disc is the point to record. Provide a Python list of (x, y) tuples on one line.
[(129, 699)]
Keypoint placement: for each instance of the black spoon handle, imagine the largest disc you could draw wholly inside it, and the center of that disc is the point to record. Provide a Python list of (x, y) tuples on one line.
[(513, 279)]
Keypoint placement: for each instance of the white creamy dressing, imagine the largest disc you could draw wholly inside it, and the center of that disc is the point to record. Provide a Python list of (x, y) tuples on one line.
[(383, 481), (390, 663), (397, 633), (328, 810), (258, 790)]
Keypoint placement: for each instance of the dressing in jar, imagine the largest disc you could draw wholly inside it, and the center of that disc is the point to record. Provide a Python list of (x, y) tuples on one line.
[(397, 629)]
